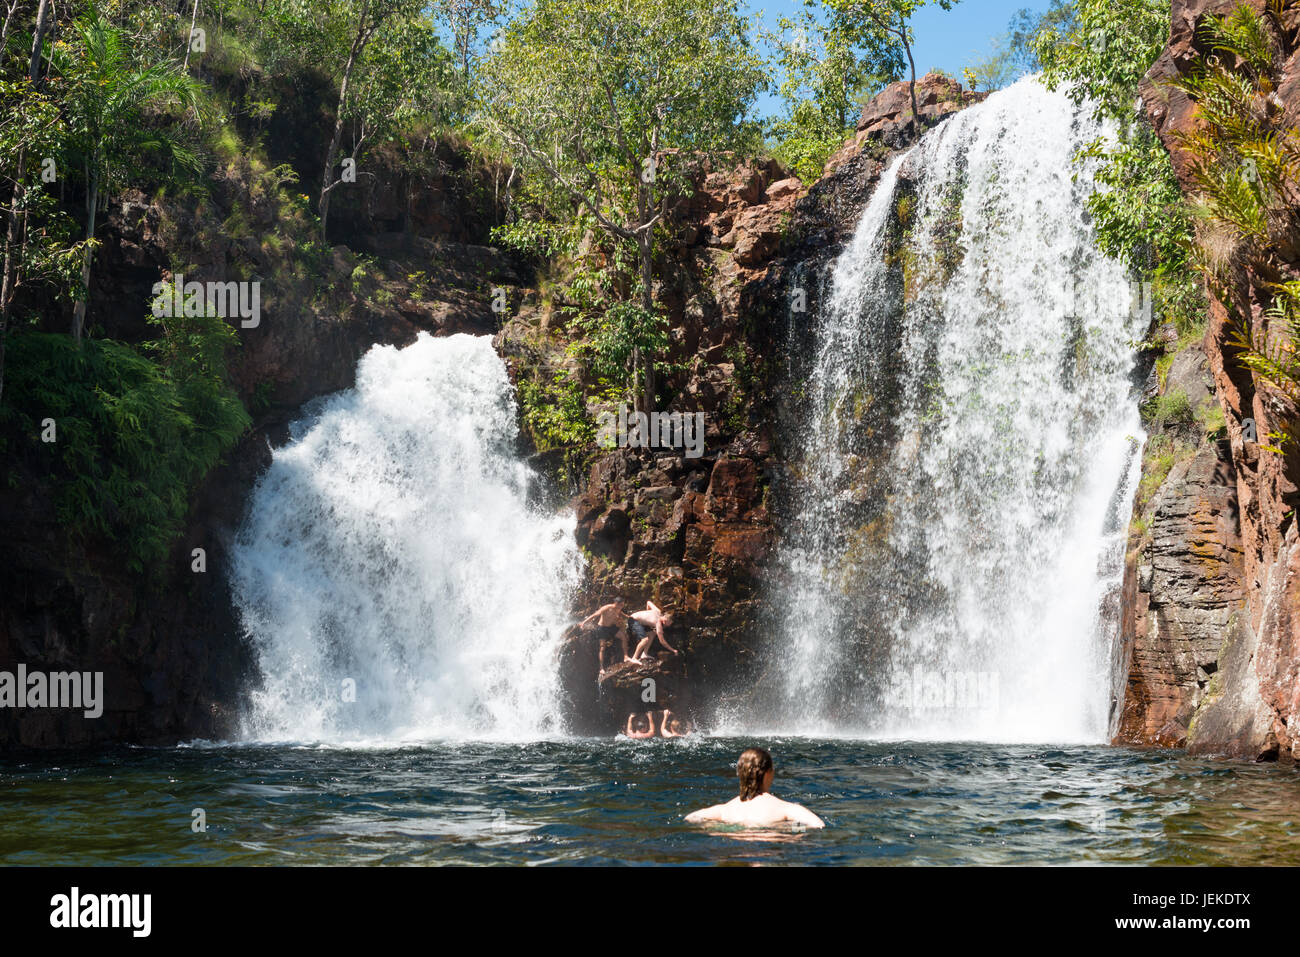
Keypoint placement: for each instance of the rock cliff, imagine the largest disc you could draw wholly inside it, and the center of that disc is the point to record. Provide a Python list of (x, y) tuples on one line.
[(1214, 647)]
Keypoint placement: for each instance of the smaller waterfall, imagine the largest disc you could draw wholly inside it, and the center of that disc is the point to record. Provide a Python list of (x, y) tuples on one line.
[(391, 574)]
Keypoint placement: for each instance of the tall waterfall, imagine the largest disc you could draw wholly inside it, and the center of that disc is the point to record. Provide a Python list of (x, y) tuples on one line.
[(966, 450), (391, 574)]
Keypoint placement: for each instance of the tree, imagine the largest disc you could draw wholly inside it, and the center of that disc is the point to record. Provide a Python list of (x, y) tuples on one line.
[(1013, 54), (993, 72), (32, 122), (108, 102), (863, 21), (1025, 27), (365, 17), (466, 19), (1100, 54), (390, 68), (825, 75), (606, 101)]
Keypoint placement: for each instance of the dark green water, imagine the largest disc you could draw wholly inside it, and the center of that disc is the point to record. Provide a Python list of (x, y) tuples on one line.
[(599, 802)]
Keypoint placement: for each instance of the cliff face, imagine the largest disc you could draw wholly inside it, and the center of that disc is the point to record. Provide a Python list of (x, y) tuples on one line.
[(1214, 644), (168, 642)]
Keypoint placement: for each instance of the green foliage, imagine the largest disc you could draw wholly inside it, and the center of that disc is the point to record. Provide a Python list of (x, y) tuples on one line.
[(1101, 54), (135, 429), (1163, 451), (554, 413), (992, 72), (827, 72), (608, 107), (114, 104), (1245, 163), (1170, 409), (615, 335), (1025, 27), (1273, 355)]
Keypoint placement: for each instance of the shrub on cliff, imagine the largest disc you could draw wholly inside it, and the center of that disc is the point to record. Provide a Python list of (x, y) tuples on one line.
[(132, 430)]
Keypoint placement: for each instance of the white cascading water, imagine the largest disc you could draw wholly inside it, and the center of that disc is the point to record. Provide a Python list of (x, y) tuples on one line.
[(390, 551), (960, 580)]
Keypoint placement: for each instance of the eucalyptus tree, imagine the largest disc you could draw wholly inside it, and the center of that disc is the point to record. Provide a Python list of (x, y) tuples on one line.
[(825, 73), (863, 22), (606, 102), (112, 103), (30, 122), (384, 54)]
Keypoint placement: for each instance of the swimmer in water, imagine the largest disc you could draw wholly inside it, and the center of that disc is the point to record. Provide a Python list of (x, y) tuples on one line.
[(671, 726), (756, 806), (649, 722)]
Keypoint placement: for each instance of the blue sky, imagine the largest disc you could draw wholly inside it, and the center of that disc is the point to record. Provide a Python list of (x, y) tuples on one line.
[(946, 40)]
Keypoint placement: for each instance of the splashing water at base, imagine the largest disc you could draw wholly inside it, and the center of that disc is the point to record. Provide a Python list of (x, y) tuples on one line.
[(968, 450), (390, 556)]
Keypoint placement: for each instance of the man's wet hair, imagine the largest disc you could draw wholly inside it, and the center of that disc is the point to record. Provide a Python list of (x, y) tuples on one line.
[(752, 767)]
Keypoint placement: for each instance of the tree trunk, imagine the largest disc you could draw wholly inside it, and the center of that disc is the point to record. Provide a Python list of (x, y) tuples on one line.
[(331, 155), (9, 279), (907, 47), (189, 39), (646, 243), (42, 24), (92, 207)]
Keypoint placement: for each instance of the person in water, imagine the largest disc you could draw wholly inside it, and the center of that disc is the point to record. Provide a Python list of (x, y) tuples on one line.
[(756, 806), (646, 627), (611, 622), (671, 726), (649, 725)]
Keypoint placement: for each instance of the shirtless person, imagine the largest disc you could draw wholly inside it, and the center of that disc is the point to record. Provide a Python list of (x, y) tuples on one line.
[(612, 621), (646, 627), (671, 726), (756, 806), (650, 722)]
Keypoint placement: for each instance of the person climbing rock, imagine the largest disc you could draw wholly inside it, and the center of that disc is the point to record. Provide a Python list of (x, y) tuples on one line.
[(648, 625), (610, 621), (756, 806)]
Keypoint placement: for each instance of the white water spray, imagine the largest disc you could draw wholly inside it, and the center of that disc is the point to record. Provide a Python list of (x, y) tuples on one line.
[(969, 448), (390, 556)]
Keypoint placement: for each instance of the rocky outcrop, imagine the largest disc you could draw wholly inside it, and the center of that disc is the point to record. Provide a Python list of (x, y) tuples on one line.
[(696, 536), (1249, 707), (692, 534), (1189, 591), (886, 119)]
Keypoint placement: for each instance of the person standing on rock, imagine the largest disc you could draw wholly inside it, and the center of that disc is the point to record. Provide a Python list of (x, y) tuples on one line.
[(646, 627), (756, 806), (610, 621)]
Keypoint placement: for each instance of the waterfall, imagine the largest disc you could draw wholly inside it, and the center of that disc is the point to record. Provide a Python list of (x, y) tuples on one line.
[(967, 448), (391, 575)]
